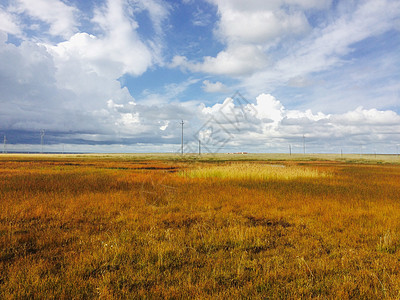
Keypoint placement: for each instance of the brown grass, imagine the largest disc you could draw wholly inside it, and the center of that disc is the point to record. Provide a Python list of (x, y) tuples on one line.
[(119, 228)]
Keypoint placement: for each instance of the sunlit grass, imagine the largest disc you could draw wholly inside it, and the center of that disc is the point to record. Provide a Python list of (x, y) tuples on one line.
[(253, 171)]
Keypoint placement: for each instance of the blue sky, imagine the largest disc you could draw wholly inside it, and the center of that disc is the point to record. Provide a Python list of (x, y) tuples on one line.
[(120, 75)]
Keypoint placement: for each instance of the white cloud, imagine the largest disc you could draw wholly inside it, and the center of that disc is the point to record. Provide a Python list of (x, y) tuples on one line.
[(326, 47), (121, 43), (362, 116), (277, 126), (158, 12), (8, 23), (270, 44), (112, 55), (38, 91), (248, 29), (257, 5), (268, 107), (216, 87), (72, 87), (236, 60), (258, 26), (117, 21), (57, 14), (219, 108), (30, 99), (99, 60), (310, 4), (306, 115), (164, 126)]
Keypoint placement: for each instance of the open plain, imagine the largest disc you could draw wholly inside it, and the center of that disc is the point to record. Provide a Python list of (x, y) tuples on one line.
[(204, 227)]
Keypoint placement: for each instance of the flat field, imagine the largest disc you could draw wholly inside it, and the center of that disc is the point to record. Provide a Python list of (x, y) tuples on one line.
[(215, 227)]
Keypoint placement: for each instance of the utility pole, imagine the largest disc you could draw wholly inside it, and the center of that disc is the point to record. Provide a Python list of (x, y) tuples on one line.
[(341, 153), (182, 138), (290, 150), (42, 138), (5, 143), (199, 147), (304, 144)]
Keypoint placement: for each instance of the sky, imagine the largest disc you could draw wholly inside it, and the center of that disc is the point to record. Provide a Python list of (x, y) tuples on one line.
[(242, 75)]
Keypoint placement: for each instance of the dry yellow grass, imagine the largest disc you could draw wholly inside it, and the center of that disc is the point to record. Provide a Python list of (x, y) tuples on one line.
[(118, 228), (253, 171)]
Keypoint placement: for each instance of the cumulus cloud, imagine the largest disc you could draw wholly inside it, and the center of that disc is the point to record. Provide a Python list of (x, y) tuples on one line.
[(116, 51), (72, 87), (85, 108), (31, 98), (269, 108), (234, 124)]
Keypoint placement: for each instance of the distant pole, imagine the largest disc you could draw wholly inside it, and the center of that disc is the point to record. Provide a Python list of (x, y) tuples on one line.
[(42, 138), (290, 150), (182, 138), (5, 143), (304, 144), (199, 147), (341, 153), (397, 150)]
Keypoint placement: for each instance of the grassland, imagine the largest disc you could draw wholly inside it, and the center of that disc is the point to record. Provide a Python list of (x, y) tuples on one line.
[(147, 226), (252, 172)]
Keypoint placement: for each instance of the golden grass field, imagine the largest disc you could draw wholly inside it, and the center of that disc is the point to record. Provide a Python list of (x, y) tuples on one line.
[(217, 227)]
